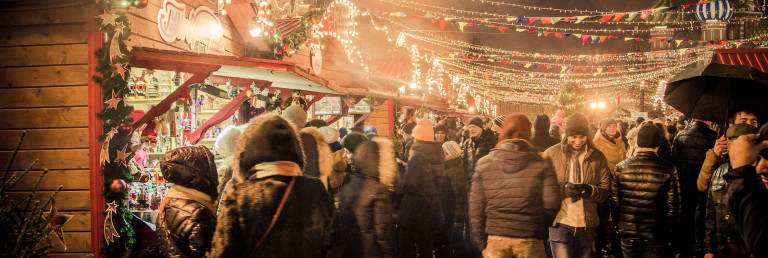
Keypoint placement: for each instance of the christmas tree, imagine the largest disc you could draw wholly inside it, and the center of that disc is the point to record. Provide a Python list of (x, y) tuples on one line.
[(26, 223), (568, 99)]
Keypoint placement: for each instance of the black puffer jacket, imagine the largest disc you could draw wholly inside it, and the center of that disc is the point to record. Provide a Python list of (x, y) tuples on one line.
[(514, 193), (454, 191), (722, 238), (689, 150), (645, 198), (420, 208), (367, 225), (475, 148), (542, 140), (185, 227)]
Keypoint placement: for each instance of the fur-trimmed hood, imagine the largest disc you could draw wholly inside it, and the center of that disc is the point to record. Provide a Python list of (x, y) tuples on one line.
[(268, 137), (376, 159), (324, 155)]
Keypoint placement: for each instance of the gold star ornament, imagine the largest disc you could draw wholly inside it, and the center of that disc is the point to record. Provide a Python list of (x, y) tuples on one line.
[(107, 18), (112, 102)]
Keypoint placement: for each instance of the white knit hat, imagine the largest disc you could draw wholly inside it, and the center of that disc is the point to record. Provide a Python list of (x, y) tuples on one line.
[(227, 141), (331, 135), (452, 149)]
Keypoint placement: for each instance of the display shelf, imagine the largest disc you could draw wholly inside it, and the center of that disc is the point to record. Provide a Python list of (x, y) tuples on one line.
[(144, 100), (208, 112)]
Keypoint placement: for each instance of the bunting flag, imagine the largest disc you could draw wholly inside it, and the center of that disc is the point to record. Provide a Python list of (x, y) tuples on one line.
[(503, 29), (579, 19), (442, 24), (461, 26), (631, 16)]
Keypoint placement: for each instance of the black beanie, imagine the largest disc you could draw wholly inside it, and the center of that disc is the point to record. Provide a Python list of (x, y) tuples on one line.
[(541, 123), (476, 121), (441, 128), (639, 120), (648, 136), (352, 140), (577, 124)]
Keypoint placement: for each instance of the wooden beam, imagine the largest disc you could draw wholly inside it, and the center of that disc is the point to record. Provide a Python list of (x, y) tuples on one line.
[(45, 139), (70, 96), (44, 55), (95, 103), (48, 159), (38, 118), (70, 179), (67, 33), (64, 75)]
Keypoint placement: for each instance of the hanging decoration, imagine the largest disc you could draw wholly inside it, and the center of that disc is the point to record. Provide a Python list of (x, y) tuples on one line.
[(56, 221), (113, 61), (283, 45)]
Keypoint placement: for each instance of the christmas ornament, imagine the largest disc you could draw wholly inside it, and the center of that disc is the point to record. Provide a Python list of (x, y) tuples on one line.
[(56, 222), (107, 18), (120, 69), (117, 186), (122, 155), (114, 48), (112, 102), (110, 232), (119, 28), (104, 155)]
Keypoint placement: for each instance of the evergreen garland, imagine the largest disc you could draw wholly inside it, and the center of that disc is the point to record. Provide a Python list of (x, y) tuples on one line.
[(287, 45), (116, 117)]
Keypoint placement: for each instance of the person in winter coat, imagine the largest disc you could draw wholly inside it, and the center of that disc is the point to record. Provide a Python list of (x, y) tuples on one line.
[(608, 141), (554, 131), (583, 172), (338, 173), (645, 200), (688, 152), (420, 214), (514, 196), (747, 197), (454, 194), (541, 138), (631, 142), (478, 145), (441, 133), (367, 225), (718, 155), (187, 217), (722, 238), (317, 153), (225, 146), (269, 162), (623, 130), (664, 147), (407, 141)]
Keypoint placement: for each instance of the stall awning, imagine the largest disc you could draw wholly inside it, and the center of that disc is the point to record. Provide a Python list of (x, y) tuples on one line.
[(756, 58)]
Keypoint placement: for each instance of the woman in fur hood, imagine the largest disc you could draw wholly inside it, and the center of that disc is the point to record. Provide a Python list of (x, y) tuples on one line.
[(366, 213), (269, 160)]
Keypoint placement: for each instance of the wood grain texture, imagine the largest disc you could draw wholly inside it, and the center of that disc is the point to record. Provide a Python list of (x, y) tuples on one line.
[(44, 55), (77, 242), (42, 139), (70, 179), (67, 33), (72, 14), (65, 200), (64, 117), (48, 159), (71, 96), (63, 75)]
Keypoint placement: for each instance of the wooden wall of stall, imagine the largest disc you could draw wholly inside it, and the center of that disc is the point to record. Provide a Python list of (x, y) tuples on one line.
[(145, 32), (43, 90)]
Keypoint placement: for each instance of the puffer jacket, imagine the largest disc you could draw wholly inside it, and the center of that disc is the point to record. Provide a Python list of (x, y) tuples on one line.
[(594, 172), (454, 191), (645, 198), (689, 150), (420, 208), (473, 149), (542, 140), (368, 228), (514, 193), (614, 149), (722, 238), (185, 227)]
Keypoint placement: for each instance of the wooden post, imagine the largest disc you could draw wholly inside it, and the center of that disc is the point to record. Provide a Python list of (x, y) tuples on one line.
[(391, 117), (95, 102)]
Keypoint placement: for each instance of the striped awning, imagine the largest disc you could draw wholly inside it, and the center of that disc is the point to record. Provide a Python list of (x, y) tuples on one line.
[(286, 26), (756, 58)]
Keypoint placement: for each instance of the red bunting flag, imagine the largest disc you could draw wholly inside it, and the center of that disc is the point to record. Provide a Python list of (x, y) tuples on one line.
[(503, 29), (606, 18), (558, 34), (442, 24), (619, 16)]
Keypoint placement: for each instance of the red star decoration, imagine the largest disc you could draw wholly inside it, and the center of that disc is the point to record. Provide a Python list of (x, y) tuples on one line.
[(123, 154), (56, 222)]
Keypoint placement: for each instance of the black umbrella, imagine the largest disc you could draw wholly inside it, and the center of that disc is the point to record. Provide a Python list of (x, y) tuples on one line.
[(711, 92)]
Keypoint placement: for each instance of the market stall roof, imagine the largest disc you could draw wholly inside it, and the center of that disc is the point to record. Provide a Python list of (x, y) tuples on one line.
[(756, 58), (281, 73)]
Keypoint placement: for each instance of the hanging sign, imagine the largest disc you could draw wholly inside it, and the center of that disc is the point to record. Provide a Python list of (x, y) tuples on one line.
[(201, 29)]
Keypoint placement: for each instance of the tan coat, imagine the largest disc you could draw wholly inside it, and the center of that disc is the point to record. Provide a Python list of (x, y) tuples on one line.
[(614, 152)]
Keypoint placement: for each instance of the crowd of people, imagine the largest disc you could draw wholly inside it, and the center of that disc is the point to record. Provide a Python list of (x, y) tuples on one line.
[(496, 187)]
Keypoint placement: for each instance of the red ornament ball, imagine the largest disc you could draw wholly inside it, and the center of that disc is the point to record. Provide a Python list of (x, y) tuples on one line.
[(118, 186)]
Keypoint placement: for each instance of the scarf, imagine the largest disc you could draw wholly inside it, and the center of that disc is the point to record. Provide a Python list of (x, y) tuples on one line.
[(609, 138), (282, 168), (180, 192)]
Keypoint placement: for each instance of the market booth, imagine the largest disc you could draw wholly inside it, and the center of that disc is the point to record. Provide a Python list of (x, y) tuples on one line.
[(183, 88)]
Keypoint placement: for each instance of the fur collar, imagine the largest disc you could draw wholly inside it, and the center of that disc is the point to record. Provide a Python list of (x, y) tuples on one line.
[(387, 163), (325, 156)]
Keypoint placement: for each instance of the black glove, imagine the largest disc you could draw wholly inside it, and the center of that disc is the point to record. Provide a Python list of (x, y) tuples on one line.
[(577, 191)]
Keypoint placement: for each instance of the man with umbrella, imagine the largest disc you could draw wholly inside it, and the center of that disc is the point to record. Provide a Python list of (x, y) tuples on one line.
[(719, 154), (707, 93)]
